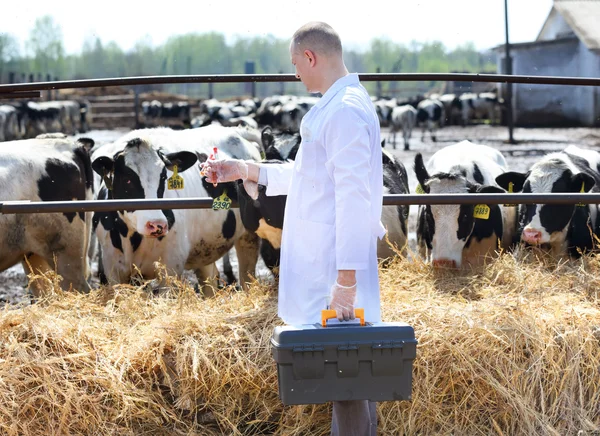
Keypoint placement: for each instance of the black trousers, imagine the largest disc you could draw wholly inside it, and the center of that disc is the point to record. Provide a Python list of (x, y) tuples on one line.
[(354, 418)]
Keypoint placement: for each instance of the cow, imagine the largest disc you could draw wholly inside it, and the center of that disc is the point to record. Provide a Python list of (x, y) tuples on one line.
[(9, 128), (143, 164), (47, 169), (430, 113), (562, 229), (455, 235), (452, 108), (484, 105), (403, 118), (264, 216), (281, 146), (37, 118)]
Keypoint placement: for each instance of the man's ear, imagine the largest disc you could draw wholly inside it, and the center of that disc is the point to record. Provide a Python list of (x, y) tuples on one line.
[(310, 55)]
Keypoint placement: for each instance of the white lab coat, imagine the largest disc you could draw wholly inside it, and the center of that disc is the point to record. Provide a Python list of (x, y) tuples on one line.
[(333, 211)]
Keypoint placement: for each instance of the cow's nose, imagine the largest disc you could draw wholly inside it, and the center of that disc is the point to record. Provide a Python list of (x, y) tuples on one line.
[(444, 263), (532, 236), (157, 228)]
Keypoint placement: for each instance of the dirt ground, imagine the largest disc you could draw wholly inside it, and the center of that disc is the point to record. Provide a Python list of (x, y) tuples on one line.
[(530, 145)]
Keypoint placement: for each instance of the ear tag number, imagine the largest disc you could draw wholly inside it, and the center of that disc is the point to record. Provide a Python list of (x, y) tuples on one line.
[(582, 191), (222, 202), (510, 191), (175, 181), (419, 189), (481, 211)]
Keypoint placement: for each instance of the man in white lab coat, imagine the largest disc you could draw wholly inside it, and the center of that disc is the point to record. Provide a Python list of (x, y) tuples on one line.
[(334, 202)]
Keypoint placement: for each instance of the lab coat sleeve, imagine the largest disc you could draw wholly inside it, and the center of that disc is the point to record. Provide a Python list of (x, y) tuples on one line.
[(278, 177), (348, 149)]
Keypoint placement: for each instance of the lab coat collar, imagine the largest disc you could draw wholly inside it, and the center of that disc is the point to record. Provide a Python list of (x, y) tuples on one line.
[(338, 85)]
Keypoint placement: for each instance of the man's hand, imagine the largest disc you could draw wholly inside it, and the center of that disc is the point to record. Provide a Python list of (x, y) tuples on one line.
[(226, 170), (229, 170), (343, 295)]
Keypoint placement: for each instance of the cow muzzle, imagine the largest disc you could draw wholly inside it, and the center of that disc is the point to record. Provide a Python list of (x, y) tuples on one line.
[(532, 236), (444, 263), (156, 228)]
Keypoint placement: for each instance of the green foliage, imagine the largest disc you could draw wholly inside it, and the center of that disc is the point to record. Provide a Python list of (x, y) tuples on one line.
[(211, 53)]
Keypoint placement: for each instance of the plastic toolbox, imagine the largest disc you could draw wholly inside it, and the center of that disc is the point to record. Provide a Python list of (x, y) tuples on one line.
[(338, 361)]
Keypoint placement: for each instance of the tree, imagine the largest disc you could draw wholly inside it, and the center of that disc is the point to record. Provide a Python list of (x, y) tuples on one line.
[(46, 46), (9, 52)]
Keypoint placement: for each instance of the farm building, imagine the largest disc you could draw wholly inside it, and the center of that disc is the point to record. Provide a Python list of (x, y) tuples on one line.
[(567, 45)]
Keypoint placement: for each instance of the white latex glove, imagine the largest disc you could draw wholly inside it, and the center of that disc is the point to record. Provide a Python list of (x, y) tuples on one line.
[(228, 170), (342, 299)]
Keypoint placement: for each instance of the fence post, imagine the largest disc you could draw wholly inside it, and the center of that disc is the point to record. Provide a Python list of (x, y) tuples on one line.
[(282, 85), (23, 77), (48, 79), (11, 77), (378, 93), (210, 90), (250, 86), (136, 106)]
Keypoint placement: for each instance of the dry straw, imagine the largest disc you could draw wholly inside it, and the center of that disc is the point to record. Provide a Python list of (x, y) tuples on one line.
[(509, 349)]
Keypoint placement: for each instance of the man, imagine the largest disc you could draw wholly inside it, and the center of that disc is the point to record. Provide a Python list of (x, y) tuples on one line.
[(334, 202)]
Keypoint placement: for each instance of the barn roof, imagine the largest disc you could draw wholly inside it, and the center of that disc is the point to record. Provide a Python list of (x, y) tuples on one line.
[(582, 16)]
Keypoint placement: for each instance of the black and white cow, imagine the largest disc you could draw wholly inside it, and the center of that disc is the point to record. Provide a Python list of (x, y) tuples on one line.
[(452, 235), (430, 114), (264, 216), (47, 169), (561, 228), (403, 118), (139, 165)]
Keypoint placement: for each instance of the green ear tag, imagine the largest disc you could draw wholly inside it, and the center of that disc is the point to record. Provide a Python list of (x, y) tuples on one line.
[(481, 211), (510, 191), (175, 181), (419, 189), (222, 202), (582, 191)]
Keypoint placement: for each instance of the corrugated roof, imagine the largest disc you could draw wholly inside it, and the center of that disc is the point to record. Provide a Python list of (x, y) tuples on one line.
[(583, 16)]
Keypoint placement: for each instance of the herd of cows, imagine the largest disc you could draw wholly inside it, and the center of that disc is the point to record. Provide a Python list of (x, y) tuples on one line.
[(160, 162)]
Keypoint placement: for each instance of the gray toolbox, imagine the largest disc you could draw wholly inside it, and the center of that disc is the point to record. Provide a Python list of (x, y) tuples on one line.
[(337, 361)]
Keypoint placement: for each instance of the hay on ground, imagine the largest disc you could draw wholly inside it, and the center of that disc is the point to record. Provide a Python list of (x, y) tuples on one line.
[(509, 349)]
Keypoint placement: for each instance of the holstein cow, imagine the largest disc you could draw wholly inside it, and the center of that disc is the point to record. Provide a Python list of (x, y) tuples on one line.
[(429, 114), (561, 228), (143, 164), (265, 215), (450, 235), (403, 118), (47, 169)]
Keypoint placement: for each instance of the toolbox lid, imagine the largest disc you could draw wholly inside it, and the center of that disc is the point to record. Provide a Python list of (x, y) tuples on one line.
[(291, 336)]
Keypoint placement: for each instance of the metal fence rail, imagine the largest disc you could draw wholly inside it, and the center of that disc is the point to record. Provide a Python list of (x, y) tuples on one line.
[(22, 207), (239, 78)]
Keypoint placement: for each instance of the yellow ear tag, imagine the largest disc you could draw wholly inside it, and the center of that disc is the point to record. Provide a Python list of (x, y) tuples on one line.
[(222, 202), (510, 191), (419, 189), (481, 211), (582, 191), (175, 181)]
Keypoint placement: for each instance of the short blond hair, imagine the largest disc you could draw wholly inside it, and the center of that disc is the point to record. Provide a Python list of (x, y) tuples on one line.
[(319, 37)]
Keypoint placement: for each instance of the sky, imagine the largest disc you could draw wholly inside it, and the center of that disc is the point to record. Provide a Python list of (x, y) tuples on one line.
[(453, 22)]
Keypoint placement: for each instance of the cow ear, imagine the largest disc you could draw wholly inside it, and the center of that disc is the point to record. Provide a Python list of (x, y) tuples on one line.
[(103, 165), (267, 137), (582, 181), (517, 179), (87, 143), (421, 172), (183, 160)]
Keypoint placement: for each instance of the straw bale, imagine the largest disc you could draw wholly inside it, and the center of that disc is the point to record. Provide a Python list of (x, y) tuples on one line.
[(509, 348)]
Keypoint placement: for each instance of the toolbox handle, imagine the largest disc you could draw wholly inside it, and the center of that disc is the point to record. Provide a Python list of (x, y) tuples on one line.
[(330, 313)]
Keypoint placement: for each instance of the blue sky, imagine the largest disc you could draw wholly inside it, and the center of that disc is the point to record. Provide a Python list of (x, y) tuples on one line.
[(451, 21)]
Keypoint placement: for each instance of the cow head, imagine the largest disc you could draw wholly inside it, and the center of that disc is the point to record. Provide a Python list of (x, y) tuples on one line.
[(545, 223), (445, 229), (140, 171)]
